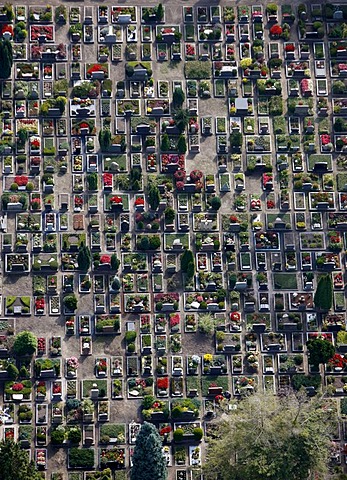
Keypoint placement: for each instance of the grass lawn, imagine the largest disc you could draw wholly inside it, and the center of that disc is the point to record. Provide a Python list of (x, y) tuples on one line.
[(285, 281), (193, 382), (220, 381), (87, 385)]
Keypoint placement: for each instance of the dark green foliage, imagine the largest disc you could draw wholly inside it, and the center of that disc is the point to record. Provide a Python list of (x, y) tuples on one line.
[(135, 179), (114, 262), (84, 258), (182, 144), (12, 371), (6, 58), (165, 143), (153, 196), (81, 457), (186, 258), (148, 460), (92, 179), (236, 139), (169, 214), (57, 436), (14, 463), (75, 435), (323, 298), (25, 343), (299, 381), (160, 12), (105, 139), (70, 301), (320, 351), (216, 203), (178, 98), (181, 117)]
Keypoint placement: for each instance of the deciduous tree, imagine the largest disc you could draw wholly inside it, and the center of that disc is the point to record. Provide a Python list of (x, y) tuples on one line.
[(272, 437)]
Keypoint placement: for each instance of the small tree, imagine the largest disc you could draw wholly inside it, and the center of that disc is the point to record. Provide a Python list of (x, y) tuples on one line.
[(159, 12), (165, 143), (320, 351), (6, 58), (153, 196), (114, 262), (70, 302), (181, 117), (12, 371), (216, 203), (182, 144), (186, 258), (75, 434), (105, 139), (25, 343), (148, 460), (84, 258), (323, 297), (178, 98)]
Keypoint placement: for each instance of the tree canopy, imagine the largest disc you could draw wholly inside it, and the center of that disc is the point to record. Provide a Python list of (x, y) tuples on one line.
[(320, 351), (25, 343), (6, 58), (14, 463), (148, 460), (323, 297), (271, 437)]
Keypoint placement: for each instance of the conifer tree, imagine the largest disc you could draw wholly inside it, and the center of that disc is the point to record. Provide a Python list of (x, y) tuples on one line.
[(148, 460)]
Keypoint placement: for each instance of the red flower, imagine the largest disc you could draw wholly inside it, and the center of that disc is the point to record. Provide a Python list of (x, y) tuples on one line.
[(105, 259), (116, 199), (21, 180), (276, 30), (139, 201), (17, 387), (163, 383)]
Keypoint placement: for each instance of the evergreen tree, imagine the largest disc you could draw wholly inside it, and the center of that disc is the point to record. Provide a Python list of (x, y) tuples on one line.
[(186, 258), (105, 140), (160, 12), (182, 144), (153, 196), (148, 460), (165, 143), (323, 298), (14, 463), (6, 58), (181, 117), (178, 98), (84, 258)]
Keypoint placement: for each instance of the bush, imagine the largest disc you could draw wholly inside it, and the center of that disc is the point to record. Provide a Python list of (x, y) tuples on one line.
[(198, 433), (58, 435), (81, 458), (25, 343), (70, 302), (131, 348), (75, 435), (216, 203), (178, 434), (130, 337), (12, 371), (206, 322), (154, 242)]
